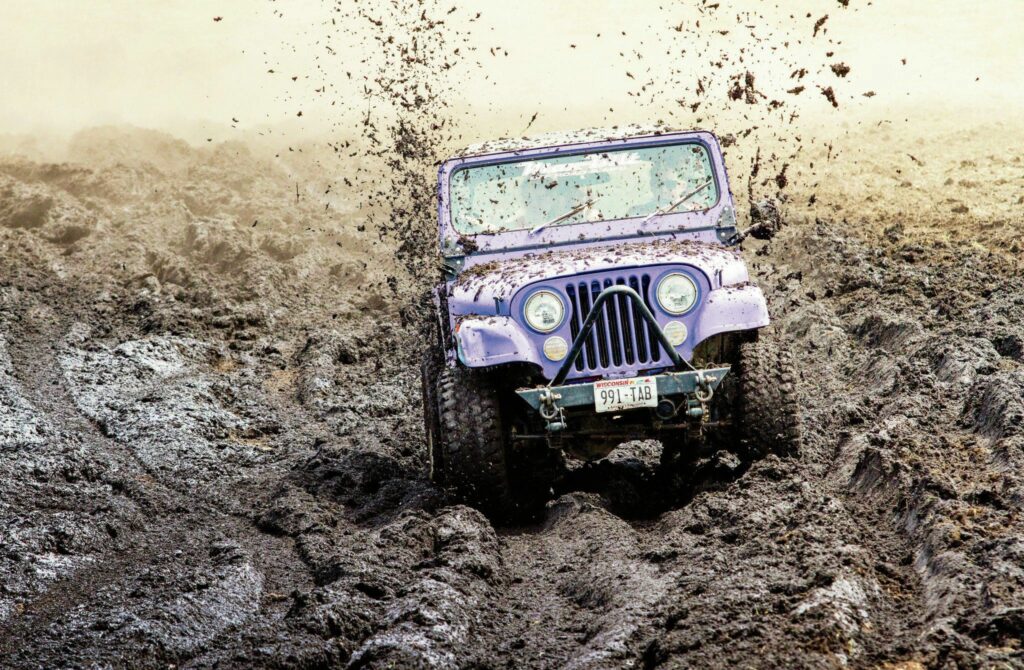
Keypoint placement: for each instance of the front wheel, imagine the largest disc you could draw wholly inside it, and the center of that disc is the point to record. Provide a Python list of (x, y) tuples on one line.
[(471, 458), (474, 457), (768, 404)]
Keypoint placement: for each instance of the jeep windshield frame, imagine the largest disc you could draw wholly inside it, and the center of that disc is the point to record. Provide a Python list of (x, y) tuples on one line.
[(535, 231)]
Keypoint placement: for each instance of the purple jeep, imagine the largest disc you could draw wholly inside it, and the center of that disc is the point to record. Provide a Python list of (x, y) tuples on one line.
[(593, 293)]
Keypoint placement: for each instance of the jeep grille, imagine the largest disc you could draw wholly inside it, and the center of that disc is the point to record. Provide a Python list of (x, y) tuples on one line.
[(620, 337)]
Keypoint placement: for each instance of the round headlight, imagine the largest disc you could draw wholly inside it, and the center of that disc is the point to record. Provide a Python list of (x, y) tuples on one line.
[(544, 311), (677, 294)]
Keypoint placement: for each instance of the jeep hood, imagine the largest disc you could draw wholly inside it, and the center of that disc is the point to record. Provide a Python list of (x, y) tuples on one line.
[(487, 288)]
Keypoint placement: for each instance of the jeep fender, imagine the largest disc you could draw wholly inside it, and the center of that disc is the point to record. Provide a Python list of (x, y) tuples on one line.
[(482, 341), (731, 308)]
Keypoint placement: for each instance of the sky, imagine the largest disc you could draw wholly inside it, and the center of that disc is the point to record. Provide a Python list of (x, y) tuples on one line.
[(169, 65)]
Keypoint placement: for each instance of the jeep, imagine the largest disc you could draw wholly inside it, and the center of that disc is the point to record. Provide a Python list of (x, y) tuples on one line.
[(593, 293)]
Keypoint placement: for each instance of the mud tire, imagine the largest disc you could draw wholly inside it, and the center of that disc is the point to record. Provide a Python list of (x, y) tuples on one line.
[(471, 458), (767, 402)]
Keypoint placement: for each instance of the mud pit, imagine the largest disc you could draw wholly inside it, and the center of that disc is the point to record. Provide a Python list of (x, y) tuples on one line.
[(210, 452)]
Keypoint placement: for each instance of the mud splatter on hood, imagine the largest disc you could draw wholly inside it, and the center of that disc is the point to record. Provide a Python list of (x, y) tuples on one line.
[(483, 283)]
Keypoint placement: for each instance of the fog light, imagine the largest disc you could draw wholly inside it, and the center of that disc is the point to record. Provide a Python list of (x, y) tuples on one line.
[(555, 348), (675, 331)]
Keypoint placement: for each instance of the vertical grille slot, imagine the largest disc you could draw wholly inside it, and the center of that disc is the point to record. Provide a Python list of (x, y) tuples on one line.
[(574, 326), (651, 337), (611, 315), (593, 363), (576, 316), (639, 325), (600, 327), (625, 324)]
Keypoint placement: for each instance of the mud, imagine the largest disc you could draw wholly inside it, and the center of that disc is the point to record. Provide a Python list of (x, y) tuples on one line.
[(200, 471), (210, 432)]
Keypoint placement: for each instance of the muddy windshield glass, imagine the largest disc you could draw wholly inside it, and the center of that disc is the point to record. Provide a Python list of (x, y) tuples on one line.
[(564, 190)]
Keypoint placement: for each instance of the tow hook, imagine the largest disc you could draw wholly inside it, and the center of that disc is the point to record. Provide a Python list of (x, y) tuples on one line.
[(703, 393), (551, 412)]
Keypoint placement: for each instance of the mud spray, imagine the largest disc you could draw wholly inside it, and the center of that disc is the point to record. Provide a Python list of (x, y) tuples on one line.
[(210, 454)]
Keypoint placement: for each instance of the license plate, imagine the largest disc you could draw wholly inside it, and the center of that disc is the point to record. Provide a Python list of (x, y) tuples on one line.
[(614, 395)]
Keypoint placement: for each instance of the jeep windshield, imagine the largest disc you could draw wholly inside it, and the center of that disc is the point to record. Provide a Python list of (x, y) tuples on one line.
[(606, 185)]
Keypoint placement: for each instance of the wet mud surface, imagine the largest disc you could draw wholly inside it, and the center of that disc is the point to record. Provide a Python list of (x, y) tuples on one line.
[(210, 452)]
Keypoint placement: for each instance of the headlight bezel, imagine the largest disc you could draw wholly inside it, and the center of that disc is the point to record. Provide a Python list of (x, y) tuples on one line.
[(686, 277), (535, 295)]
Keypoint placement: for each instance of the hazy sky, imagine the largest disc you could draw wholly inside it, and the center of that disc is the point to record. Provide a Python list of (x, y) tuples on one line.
[(158, 63)]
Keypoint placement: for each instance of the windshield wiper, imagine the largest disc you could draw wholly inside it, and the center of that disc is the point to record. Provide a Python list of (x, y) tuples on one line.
[(666, 210), (568, 215)]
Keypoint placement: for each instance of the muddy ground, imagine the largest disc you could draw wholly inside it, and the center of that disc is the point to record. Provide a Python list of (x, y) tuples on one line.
[(210, 446)]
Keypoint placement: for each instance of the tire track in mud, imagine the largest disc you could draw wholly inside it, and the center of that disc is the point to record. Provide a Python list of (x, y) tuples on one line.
[(896, 357), (38, 337), (34, 360), (582, 582), (592, 590), (32, 354), (171, 516)]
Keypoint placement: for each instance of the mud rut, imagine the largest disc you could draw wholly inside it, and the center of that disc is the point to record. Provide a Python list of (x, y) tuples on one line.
[(254, 495)]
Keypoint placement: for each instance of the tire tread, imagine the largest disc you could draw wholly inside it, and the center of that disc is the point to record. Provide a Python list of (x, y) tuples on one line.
[(473, 441), (769, 402)]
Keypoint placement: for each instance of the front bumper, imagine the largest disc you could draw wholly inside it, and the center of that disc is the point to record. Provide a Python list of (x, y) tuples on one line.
[(549, 399)]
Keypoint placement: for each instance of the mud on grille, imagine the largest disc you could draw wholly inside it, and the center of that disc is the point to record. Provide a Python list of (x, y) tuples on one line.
[(620, 336)]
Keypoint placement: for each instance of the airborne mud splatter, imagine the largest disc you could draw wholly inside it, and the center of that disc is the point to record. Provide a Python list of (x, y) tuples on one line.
[(210, 451), (416, 55)]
